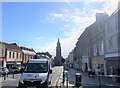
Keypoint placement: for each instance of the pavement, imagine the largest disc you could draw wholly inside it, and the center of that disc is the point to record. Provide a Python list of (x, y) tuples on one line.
[(9, 78), (67, 83), (92, 81), (86, 80)]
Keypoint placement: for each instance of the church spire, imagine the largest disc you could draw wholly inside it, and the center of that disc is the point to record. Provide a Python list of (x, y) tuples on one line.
[(58, 44), (58, 40), (58, 57)]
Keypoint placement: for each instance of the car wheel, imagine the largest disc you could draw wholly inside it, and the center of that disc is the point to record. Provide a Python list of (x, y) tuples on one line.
[(15, 72)]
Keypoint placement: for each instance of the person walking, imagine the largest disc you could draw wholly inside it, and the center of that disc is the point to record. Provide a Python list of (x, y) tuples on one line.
[(111, 71), (89, 71), (118, 74), (5, 72)]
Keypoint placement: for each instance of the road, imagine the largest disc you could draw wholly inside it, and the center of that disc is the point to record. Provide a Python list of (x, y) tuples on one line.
[(55, 80), (55, 75), (13, 82)]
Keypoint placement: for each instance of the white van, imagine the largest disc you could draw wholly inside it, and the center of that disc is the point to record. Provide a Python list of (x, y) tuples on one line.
[(36, 74)]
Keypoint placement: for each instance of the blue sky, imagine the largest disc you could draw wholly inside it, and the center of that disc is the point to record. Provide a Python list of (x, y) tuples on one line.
[(39, 25)]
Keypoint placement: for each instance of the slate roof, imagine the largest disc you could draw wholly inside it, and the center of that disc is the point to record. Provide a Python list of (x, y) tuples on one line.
[(12, 47)]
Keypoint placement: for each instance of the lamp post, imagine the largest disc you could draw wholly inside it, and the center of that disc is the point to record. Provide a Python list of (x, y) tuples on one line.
[(67, 79), (99, 80), (63, 62)]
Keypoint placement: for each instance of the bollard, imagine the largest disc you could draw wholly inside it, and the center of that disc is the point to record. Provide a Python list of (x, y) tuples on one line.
[(78, 79), (99, 79), (66, 80), (63, 77)]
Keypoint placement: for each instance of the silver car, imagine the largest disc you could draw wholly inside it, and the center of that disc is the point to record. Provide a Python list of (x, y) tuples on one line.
[(1, 71), (15, 70)]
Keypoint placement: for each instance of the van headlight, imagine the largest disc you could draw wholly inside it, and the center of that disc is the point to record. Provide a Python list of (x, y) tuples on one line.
[(44, 79), (21, 81)]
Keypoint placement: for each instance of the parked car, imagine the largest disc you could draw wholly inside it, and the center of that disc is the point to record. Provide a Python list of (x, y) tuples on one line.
[(1, 71), (15, 70)]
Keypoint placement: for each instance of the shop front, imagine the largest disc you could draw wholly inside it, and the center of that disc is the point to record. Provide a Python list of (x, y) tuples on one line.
[(98, 65), (112, 62), (10, 64), (1, 62)]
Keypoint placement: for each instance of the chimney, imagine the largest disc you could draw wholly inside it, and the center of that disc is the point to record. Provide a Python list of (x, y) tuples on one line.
[(100, 17)]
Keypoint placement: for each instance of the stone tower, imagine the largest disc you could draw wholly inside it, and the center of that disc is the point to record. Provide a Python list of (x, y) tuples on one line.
[(58, 57)]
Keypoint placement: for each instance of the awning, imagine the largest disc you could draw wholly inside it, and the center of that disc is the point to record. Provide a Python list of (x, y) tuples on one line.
[(2, 59), (98, 62), (11, 62)]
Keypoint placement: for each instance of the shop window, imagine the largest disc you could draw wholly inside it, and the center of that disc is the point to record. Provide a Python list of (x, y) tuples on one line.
[(9, 54), (110, 43), (17, 55), (13, 54)]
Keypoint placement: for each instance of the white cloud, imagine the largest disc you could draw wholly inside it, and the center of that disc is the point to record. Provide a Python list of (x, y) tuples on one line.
[(39, 38), (67, 1), (110, 7), (57, 15), (66, 26)]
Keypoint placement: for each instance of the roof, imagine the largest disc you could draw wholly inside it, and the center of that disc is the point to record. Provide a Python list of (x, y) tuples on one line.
[(38, 60), (29, 52), (12, 47)]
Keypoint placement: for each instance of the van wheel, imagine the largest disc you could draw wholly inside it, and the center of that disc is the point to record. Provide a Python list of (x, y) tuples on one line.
[(43, 87)]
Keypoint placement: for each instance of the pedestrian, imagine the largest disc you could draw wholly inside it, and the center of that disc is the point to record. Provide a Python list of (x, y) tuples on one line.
[(118, 74), (93, 72), (4, 73), (63, 77), (7, 71), (86, 68), (102, 72), (89, 71), (111, 71)]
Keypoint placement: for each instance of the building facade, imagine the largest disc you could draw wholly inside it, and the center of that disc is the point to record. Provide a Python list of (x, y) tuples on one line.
[(28, 53), (89, 52), (13, 55), (98, 43), (70, 59), (2, 55), (112, 42)]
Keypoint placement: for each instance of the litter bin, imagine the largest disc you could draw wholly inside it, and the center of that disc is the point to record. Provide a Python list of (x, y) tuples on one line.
[(78, 79)]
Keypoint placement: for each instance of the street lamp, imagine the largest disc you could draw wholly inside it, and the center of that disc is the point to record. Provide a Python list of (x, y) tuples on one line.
[(99, 80)]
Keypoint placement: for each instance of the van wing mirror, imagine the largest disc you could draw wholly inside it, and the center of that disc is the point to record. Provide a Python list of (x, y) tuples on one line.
[(50, 71), (21, 70)]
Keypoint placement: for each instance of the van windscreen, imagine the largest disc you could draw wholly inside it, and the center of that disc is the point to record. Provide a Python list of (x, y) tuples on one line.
[(36, 67)]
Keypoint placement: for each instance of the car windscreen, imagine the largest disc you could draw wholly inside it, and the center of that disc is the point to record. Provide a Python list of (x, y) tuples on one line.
[(36, 67), (14, 68)]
